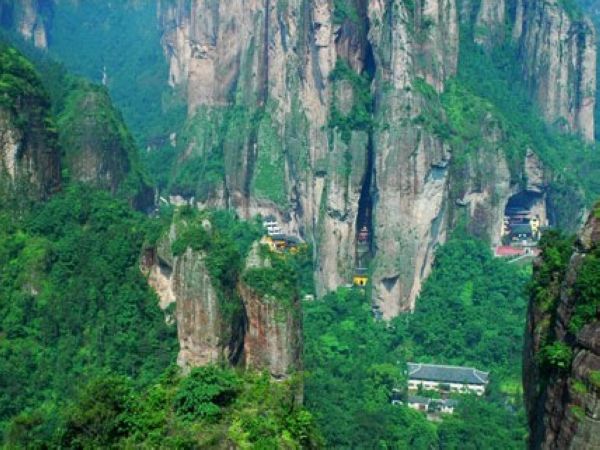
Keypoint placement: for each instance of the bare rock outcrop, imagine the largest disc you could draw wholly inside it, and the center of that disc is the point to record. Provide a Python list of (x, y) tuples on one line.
[(286, 70), (273, 337), (235, 323), (557, 52), (29, 18), (183, 279), (29, 155)]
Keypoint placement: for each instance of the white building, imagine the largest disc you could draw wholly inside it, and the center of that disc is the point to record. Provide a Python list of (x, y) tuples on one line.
[(432, 405), (271, 225), (446, 378)]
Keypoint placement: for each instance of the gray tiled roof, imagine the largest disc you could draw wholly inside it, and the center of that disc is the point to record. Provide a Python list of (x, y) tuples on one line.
[(412, 399), (520, 228), (447, 374)]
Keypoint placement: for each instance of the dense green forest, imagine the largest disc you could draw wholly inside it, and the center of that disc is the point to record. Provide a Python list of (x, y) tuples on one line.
[(74, 302), (86, 354), (87, 358), (471, 312)]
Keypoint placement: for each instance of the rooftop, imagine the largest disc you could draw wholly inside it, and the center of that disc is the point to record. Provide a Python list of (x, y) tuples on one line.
[(505, 250), (447, 374), (292, 240), (520, 228)]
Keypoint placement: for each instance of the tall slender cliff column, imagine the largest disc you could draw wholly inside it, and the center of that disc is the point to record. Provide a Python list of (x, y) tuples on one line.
[(273, 338), (559, 65), (490, 24), (410, 192)]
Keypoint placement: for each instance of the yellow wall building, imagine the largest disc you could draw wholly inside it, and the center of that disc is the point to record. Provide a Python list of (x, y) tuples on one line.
[(360, 280)]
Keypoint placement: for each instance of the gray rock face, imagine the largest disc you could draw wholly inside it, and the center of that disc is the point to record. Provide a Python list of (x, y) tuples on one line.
[(559, 65), (241, 327), (280, 61), (28, 19), (490, 22), (557, 50), (203, 335), (29, 154), (297, 75)]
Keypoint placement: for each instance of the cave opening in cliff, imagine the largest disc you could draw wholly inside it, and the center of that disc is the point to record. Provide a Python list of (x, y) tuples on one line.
[(524, 217), (364, 218)]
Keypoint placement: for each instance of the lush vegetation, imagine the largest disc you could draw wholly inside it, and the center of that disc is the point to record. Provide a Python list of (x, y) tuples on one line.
[(546, 289), (471, 312), (92, 132), (280, 278), (212, 407), (359, 117), (86, 351), (21, 90), (96, 145), (73, 302), (345, 10)]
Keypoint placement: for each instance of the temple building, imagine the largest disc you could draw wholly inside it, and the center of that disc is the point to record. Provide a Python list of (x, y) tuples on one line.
[(446, 378)]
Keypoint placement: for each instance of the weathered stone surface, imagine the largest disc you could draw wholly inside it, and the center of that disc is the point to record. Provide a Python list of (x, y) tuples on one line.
[(30, 22), (559, 65), (203, 335), (490, 22), (557, 51), (262, 333), (282, 65), (273, 338), (29, 157)]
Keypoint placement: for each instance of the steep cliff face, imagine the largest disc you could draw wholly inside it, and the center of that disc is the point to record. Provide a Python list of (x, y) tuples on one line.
[(320, 115), (557, 50), (410, 191), (29, 18), (98, 149), (562, 352), (225, 310), (183, 279), (313, 112), (287, 103), (29, 156), (273, 339)]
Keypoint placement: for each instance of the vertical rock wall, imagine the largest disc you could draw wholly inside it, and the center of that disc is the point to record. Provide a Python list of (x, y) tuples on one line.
[(557, 51), (29, 154), (29, 18), (203, 334), (273, 337), (282, 65), (240, 326)]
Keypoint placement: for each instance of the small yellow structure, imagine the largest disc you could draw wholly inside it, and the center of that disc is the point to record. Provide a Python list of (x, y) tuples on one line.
[(268, 241), (282, 242), (361, 278), (535, 225)]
